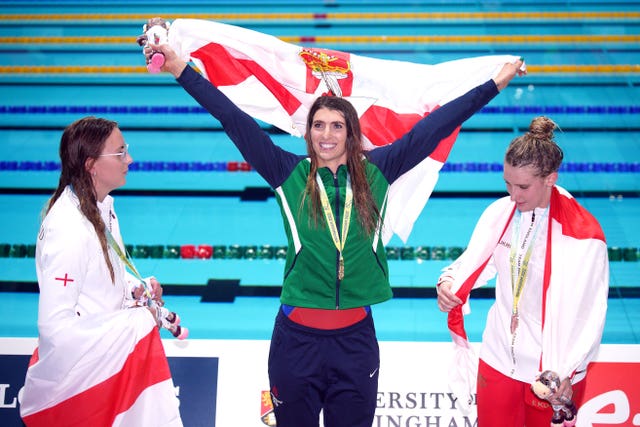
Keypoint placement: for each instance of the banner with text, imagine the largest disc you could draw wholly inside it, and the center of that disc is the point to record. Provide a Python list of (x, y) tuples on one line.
[(224, 383)]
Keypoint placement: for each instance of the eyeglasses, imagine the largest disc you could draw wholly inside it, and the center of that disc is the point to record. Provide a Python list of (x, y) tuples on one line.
[(122, 155)]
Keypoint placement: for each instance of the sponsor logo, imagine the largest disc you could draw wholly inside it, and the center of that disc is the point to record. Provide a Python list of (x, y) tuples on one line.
[(612, 395), (267, 416)]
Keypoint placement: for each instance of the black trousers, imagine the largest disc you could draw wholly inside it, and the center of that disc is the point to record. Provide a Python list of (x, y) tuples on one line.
[(335, 371)]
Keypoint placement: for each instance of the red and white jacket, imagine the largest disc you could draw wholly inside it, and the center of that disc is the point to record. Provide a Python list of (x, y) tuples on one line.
[(574, 276)]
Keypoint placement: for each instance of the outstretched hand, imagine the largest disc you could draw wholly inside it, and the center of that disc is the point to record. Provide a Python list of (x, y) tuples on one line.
[(159, 56), (172, 63), (508, 72)]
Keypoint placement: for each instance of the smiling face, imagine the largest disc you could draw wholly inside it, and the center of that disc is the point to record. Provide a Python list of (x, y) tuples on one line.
[(328, 134), (108, 171), (526, 188)]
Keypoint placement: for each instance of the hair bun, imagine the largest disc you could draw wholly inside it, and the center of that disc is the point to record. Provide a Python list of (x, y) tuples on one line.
[(542, 128)]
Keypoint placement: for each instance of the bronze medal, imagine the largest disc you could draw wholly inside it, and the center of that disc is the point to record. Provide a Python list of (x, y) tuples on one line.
[(514, 323)]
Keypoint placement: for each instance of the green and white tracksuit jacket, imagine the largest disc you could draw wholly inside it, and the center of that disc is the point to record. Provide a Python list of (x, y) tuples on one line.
[(311, 270)]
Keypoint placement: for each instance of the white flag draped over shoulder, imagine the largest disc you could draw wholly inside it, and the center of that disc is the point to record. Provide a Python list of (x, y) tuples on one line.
[(276, 82), (577, 255), (110, 370)]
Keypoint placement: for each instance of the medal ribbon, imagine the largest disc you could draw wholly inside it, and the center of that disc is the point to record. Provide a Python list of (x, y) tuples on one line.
[(127, 261), (520, 268), (124, 257), (339, 239)]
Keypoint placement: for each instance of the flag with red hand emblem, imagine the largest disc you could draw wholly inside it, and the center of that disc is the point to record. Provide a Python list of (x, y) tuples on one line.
[(276, 82)]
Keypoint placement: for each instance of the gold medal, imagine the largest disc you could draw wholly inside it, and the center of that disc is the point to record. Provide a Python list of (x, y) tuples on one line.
[(339, 239)]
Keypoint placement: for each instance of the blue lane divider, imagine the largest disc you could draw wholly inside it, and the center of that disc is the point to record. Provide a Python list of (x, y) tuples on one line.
[(585, 167), (160, 109), (29, 166), (100, 109), (224, 166), (562, 109)]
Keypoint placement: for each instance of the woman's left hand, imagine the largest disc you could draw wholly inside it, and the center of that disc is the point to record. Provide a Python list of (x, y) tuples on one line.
[(156, 291), (508, 72)]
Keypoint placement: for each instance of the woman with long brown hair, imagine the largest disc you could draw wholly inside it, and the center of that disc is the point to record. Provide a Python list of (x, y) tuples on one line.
[(99, 359), (324, 352)]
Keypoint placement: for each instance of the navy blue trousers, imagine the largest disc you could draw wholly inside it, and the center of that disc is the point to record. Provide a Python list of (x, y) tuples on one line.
[(335, 371)]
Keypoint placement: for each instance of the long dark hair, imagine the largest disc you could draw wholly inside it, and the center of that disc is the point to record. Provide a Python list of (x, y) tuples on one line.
[(368, 213), (83, 140)]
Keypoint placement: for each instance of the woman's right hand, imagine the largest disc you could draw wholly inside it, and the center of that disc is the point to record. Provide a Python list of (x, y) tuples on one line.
[(172, 63), (447, 300)]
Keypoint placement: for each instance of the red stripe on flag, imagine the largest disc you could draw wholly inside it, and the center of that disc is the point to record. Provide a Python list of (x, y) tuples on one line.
[(576, 221), (34, 357), (455, 318), (441, 153), (383, 126), (223, 69), (546, 277), (99, 405)]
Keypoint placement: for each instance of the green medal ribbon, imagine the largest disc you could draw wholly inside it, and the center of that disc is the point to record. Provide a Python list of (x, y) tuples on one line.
[(127, 261)]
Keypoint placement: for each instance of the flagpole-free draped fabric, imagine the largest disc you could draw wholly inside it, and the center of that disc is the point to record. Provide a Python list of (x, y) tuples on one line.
[(276, 82), (116, 375), (574, 290)]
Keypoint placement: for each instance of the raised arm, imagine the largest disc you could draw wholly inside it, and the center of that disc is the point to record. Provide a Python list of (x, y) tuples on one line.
[(270, 161), (417, 144)]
